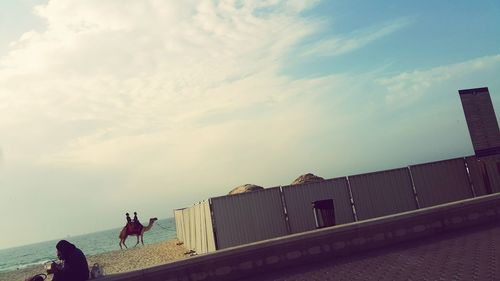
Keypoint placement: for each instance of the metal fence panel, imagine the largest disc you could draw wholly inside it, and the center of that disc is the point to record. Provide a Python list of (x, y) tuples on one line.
[(203, 222), (179, 225), (382, 193), (196, 223), (209, 227), (205, 237), (476, 171), (248, 217), (441, 182), (298, 199), (199, 228), (192, 228), (493, 168), (187, 228)]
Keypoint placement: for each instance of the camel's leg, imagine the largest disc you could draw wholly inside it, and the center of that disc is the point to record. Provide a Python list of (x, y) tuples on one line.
[(142, 240), (123, 242), (137, 241)]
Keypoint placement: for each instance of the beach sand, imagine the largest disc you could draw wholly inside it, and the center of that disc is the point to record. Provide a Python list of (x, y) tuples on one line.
[(130, 259)]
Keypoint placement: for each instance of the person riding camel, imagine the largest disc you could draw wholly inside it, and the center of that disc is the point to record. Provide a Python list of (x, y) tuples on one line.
[(129, 225), (137, 224)]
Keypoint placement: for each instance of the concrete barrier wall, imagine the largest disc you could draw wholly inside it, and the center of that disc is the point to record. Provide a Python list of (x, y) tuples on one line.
[(266, 256)]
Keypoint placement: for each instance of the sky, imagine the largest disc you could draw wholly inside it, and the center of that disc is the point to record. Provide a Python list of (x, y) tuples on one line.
[(116, 106)]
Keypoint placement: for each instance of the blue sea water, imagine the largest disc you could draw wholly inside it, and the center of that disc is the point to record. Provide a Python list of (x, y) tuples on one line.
[(90, 244)]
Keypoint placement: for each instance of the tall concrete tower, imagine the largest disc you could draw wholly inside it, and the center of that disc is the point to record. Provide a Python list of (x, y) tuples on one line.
[(484, 133)]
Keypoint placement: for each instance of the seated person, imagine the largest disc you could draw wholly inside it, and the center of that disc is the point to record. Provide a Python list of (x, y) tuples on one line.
[(74, 267)]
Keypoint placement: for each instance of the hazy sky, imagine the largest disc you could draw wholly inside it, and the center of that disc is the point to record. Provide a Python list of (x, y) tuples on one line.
[(123, 105)]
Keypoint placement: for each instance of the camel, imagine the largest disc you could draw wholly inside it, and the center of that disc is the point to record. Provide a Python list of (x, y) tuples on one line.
[(126, 232)]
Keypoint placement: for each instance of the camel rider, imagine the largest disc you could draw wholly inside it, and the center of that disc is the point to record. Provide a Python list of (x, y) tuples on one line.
[(129, 224), (137, 224)]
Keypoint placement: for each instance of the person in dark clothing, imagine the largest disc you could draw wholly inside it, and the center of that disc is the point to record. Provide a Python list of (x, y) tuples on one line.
[(129, 226), (74, 267), (137, 224)]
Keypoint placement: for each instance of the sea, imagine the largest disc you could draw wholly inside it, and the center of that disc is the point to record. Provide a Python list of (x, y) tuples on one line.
[(91, 244)]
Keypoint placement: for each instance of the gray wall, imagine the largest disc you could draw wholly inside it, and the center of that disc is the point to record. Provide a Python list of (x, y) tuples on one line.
[(248, 217), (493, 167), (298, 200), (441, 182), (254, 216), (382, 193), (476, 171)]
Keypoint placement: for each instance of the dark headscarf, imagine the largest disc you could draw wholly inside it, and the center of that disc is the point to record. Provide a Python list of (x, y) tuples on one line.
[(65, 248)]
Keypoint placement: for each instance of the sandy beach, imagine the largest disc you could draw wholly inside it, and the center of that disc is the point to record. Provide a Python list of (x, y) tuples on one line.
[(117, 261)]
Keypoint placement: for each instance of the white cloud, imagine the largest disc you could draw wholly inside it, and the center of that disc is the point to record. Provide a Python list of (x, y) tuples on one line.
[(157, 96), (340, 45), (131, 68), (408, 87), (153, 96)]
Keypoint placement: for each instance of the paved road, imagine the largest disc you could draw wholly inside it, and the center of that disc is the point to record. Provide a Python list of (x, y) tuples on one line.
[(472, 254)]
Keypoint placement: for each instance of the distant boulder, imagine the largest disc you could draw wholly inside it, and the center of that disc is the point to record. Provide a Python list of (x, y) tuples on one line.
[(245, 188), (307, 178)]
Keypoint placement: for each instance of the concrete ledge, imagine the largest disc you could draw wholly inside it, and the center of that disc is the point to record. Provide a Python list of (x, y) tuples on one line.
[(266, 256)]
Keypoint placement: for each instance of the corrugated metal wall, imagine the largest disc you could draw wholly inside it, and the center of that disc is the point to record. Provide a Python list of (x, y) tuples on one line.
[(192, 228), (493, 167), (198, 219), (382, 193), (248, 217), (476, 175), (179, 224), (210, 239), (187, 228), (298, 199), (196, 227), (441, 182), (254, 216), (204, 232)]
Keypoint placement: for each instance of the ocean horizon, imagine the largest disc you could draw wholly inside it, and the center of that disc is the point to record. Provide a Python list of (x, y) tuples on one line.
[(94, 243)]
